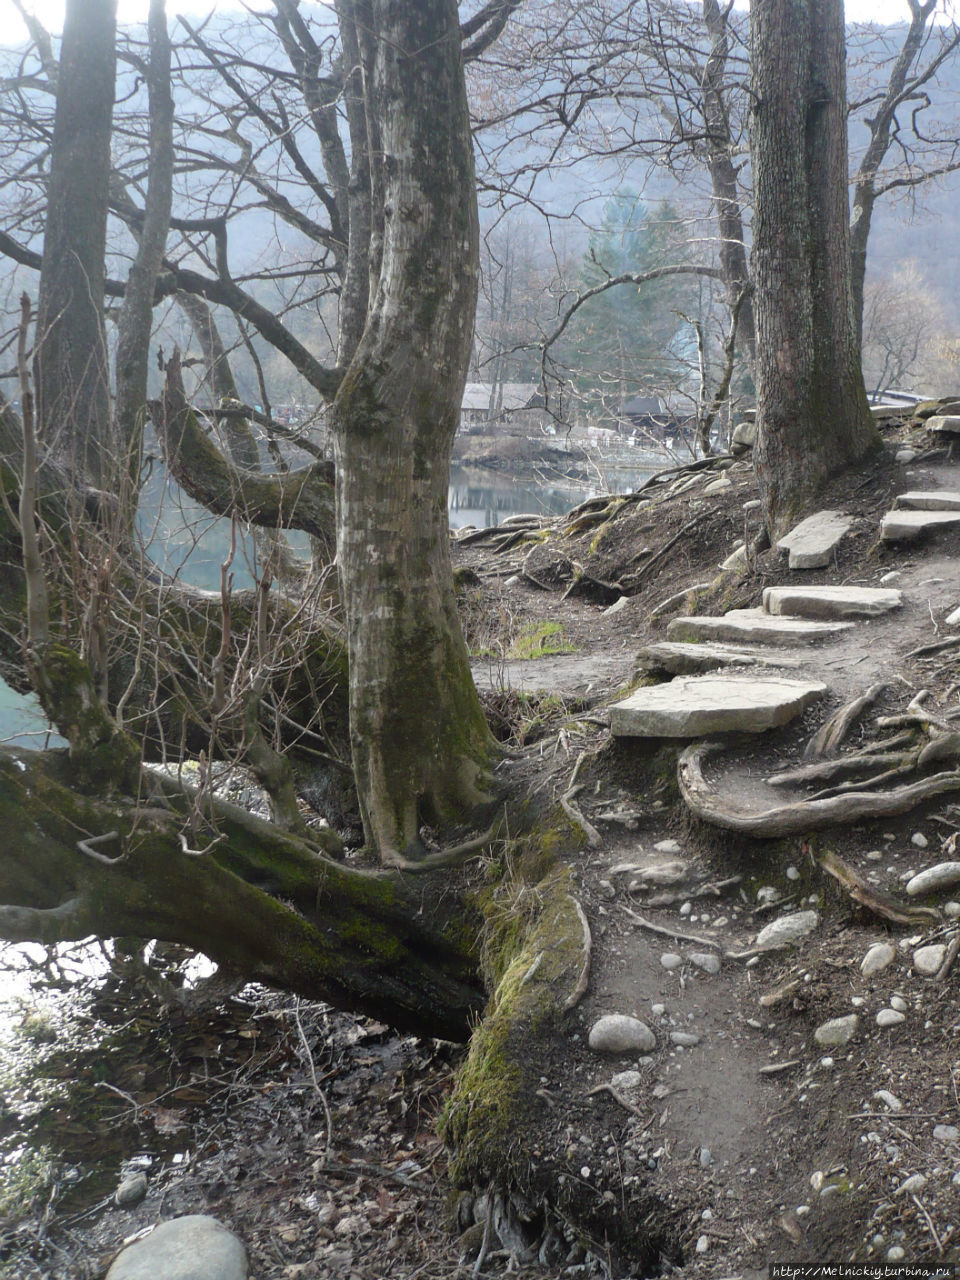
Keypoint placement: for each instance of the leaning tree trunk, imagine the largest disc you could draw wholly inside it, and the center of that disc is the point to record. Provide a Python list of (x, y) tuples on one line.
[(421, 747), (812, 407), (73, 396)]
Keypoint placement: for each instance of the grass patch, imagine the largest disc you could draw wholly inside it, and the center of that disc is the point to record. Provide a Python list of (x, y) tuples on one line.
[(539, 641)]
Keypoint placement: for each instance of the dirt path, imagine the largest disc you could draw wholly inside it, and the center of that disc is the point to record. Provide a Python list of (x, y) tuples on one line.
[(763, 1144)]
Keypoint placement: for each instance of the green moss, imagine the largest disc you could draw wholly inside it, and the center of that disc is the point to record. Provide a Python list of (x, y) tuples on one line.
[(533, 956), (539, 641)]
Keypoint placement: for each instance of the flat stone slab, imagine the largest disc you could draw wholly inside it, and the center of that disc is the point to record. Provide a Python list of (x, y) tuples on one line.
[(907, 526), (697, 706), (946, 423), (811, 543), (689, 659), (748, 625), (930, 500), (832, 603)]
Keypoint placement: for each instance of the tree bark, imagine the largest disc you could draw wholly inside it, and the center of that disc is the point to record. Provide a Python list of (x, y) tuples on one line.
[(135, 324), (723, 179), (421, 747), (263, 903), (72, 376), (812, 407)]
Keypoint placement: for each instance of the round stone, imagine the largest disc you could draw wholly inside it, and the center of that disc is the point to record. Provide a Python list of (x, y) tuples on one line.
[(788, 929), (132, 1189), (708, 961), (195, 1247), (877, 958), (898, 1003), (919, 840), (927, 960), (946, 1133), (942, 876), (685, 1039), (670, 960), (890, 1018), (619, 1033), (837, 1032), (627, 1080)]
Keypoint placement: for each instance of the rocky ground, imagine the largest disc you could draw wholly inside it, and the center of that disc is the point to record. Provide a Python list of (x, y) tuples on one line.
[(794, 1103)]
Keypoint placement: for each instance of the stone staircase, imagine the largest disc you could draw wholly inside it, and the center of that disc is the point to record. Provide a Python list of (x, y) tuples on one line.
[(713, 690)]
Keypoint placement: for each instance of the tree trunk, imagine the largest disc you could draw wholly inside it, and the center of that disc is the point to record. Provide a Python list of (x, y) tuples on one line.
[(723, 179), (135, 324), (258, 901), (421, 746), (73, 396), (812, 407)]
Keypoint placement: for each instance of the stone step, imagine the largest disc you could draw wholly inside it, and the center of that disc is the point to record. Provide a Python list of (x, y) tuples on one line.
[(687, 659), (930, 500), (748, 625), (831, 603), (946, 424), (907, 526), (698, 706), (811, 543)]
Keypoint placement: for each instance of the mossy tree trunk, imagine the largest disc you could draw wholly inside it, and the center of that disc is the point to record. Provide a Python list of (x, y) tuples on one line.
[(812, 407), (421, 747), (266, 905)]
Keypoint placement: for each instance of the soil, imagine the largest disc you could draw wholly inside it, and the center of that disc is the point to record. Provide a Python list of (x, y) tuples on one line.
[(752, 1146)]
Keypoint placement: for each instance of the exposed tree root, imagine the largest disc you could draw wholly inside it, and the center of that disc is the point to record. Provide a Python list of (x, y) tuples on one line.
[(826, 741), (861, 892), (804, 815)]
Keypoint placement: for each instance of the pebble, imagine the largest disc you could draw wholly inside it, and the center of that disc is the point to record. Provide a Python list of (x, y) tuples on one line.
[(685, 1039), (132, 1189), (670, 960), (706, 1159), (658, 1010), (919, 840), (902, 455), (671, 847), (686, 908), (767, 893), (619, 1033), (788, 929), (703, 1244), (898, 1003), (837, 1032), (877, 958), (889, 1100), (875, 855), (892, 576), (890, 1018), (946, 1133), (895, 1253), (627, 1080), (183, 1249), (942, 876), (951, 910), (927, 960), (708, 961)]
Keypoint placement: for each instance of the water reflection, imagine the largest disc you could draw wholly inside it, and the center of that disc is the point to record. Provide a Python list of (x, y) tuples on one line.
[(484, 498)]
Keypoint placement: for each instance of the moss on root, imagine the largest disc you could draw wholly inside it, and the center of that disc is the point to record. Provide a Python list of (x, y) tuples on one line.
[(533, 956)]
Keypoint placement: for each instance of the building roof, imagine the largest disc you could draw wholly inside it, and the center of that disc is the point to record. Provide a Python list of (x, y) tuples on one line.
[(516, 395)]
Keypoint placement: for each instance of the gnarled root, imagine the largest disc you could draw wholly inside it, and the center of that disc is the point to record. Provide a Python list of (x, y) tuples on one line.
[(804, 815)]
